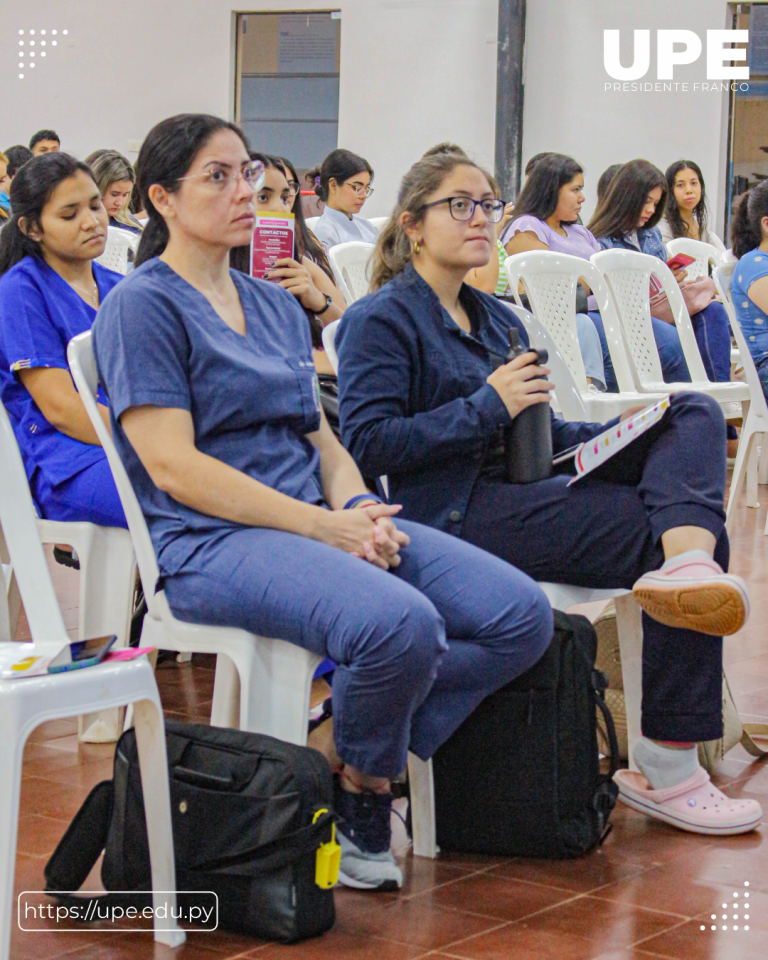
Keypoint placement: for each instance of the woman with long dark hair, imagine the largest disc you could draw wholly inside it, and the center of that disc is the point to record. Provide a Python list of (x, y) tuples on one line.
[(685, 214), (343, 183), (425, 398), (307, 244), (749, 285), (627, 219), (50, 289), (259, 517)]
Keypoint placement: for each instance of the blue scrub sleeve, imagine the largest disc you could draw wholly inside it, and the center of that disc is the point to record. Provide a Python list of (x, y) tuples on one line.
[(30, 338), (141, 351)]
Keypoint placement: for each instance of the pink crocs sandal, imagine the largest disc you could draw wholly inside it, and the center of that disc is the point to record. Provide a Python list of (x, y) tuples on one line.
[(694, 595), (695, 804)]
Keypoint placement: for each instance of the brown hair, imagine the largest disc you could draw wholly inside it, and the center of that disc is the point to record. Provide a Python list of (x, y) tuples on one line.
[(394, 249)]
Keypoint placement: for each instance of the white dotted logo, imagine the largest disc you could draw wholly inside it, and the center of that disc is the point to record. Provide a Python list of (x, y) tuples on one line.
[(738, 910), (35, 38)]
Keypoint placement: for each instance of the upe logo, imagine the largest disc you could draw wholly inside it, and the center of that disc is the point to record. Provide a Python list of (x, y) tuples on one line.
[(676, 48)]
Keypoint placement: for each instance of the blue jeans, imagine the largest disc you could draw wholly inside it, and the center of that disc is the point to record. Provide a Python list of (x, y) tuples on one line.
[(605, 531), (417, 648), (90, 495), (673, 366)]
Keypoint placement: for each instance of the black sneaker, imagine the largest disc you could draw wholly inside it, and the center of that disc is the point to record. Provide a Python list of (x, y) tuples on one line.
[(365, 836)]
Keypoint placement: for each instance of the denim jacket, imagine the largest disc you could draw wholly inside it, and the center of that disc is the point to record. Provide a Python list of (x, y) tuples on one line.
[(650, 242), (414, 402)]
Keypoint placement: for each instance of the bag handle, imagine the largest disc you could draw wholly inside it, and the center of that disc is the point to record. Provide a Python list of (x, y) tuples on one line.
[(749, 732)]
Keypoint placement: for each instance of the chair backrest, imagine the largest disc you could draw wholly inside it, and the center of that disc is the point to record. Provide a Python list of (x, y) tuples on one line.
[(82, 364), (119, 243), (311, 221), (349, 262), (628, 275), (550, 280), (18, 519), (722, 276), (717, 243), (329, 344), (705, 253), (378, 222), (566, 391)]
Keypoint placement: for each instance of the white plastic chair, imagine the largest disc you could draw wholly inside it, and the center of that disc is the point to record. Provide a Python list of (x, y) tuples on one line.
[(705, 253), (349, 262), (560, 596), (755, 426), (10, 598), (628, 275), (378, 222), (116, 252), (718, 244), (311, 222), (550, 280), (262, 684), (24, 704), (107, 578)]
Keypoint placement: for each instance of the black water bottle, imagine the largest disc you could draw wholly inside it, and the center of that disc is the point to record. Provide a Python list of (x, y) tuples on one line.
[(528, 439)]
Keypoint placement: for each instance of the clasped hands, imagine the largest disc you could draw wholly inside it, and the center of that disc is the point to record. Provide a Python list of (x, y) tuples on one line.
[(367, 532)]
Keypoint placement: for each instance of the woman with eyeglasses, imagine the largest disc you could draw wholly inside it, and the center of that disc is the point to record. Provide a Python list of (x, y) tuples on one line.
[(259, 517), (343, 182), (425, 396), (50, 290)]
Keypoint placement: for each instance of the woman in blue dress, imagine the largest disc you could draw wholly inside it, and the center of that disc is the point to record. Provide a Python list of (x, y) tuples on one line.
[(50, 290), (749, 286), (259, 517)]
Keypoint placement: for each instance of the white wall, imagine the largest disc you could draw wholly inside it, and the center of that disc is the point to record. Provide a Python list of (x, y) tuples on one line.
[(568, 110), (413, 72)]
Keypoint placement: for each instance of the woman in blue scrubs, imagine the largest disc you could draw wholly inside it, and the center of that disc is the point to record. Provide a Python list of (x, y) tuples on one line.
[(50, 290), (259, 517)]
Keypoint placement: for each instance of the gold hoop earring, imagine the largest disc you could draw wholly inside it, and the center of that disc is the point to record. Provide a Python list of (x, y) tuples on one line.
[(416, 247)]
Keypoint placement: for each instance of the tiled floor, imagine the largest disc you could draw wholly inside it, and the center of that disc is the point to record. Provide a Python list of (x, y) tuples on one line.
[(646, 893)]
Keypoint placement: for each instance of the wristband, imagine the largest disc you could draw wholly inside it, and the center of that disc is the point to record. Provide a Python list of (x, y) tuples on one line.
[(359, 499)]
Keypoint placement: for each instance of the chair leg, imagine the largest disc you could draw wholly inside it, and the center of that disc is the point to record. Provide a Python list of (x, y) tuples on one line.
[(747, 443), (762, 471), (107, 579), (630, 628), (422, 788), (752, 474), (225, 709), (275, 700), (153, 762), (10, 763)]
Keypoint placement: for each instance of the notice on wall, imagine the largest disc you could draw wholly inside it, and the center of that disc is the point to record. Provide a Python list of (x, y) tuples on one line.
[(307, 44), (272, 240), (758, 40)]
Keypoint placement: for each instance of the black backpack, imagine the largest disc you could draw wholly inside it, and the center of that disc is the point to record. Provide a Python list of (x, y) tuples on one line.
[(521, 776), (247, 824)]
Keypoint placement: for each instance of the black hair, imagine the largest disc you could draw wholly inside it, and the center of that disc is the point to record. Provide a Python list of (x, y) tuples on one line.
[(339, 165), (166, 155), (539, 196), (32, 188), (606, 179), (622, 206), (17, 155), (535, 160), (307, 244), (445, 147), (43, 135), (678, 226), (746, 227)]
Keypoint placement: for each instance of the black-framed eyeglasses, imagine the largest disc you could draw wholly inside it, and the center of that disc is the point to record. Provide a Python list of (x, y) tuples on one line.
[(463, 208)]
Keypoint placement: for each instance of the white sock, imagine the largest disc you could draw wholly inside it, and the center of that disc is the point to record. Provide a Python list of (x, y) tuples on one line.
[(701, 555), (664, 767)]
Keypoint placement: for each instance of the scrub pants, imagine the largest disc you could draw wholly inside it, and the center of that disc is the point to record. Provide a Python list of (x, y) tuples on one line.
[(605, 530), (417, 648), (90, 495)]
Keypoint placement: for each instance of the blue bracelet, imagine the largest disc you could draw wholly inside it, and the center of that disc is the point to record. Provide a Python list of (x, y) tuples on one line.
[(359, 499)]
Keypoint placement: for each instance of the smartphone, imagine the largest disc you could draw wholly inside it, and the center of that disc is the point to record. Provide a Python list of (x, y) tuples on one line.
[(81, 653), (680, 260)]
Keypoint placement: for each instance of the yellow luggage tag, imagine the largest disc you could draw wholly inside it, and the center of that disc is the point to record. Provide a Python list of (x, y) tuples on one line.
[(328, 859)]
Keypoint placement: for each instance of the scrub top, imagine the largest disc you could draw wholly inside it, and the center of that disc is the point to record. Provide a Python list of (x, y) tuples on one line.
[(253, 398), (754, 323), (335, 227), (39, 315)]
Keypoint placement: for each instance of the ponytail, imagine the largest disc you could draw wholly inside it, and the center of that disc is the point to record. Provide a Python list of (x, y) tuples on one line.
[(746, 229), (31, 189), (165, 157)]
